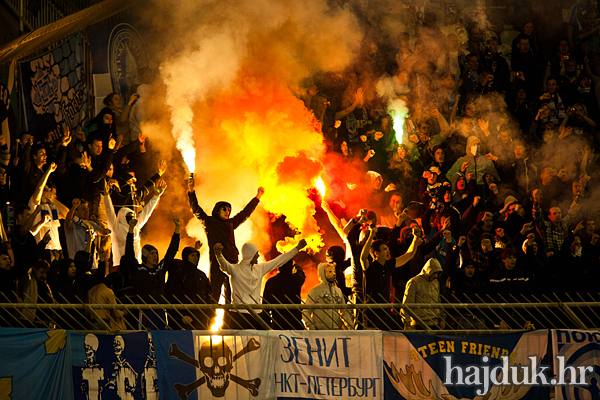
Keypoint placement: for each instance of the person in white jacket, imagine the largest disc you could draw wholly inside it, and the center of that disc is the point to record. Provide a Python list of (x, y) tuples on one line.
[(119, 223), (327, 293), (246, 281)]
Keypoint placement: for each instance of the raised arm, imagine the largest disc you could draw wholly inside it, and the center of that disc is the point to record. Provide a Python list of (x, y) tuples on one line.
[(364, 255), (358, 98), (69, 218), (223, 263), (193, 200), (410, 253), (282, 259), (111, 216), (129, 250), (144, 216), (174, 245), (335, 221), (37, 194), (243, 215)]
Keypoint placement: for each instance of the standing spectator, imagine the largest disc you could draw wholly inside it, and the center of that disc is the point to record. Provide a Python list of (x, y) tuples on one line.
[(246, 279), (285, 288), (220, 228), (425, 289), (189, 285), (149, 279), (327, 293), (378, 275)]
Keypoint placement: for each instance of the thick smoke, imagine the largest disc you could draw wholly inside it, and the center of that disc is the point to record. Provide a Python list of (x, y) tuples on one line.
[(229, 73)]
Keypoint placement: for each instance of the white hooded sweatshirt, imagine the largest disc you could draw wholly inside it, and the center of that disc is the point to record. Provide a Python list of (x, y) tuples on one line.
[(119, 227), (246, 278)]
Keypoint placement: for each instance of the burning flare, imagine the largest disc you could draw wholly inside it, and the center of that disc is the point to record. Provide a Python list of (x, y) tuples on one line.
[(320, 187)]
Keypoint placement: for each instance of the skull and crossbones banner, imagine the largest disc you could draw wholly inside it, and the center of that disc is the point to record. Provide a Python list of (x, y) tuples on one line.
[(197, 365)]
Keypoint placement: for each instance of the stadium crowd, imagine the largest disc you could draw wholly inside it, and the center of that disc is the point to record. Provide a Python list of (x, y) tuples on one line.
[(481, 185)]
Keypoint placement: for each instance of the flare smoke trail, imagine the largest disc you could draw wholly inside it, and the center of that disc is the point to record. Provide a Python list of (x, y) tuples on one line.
[(230, 73)]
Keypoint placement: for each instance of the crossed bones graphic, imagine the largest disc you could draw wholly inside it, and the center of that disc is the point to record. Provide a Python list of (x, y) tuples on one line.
[(183, 391)]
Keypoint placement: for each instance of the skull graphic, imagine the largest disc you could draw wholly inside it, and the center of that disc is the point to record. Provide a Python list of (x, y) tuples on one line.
[(216, 363)]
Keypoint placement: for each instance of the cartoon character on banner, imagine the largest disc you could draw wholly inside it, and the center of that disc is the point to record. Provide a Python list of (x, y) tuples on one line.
[(91, 373), (149, 377), (215, 360), (124, 378)]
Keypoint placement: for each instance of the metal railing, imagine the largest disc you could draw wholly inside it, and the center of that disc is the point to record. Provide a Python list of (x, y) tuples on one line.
[(48, 11), (475, 317)]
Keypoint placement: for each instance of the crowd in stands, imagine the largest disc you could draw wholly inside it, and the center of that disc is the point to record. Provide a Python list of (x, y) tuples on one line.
[(483, 186)]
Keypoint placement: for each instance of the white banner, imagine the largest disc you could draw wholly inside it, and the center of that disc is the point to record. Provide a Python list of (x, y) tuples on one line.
[(328, 364)]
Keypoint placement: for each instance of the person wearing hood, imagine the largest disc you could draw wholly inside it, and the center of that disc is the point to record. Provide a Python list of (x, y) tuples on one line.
[(246, 280), (149, 279), (189, 285), (119, 223), (285, 288), (219, 228), (327, 293), (473, 162), (424, 289)]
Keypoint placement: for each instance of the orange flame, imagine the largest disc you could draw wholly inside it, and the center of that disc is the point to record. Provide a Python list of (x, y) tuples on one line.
[(320, 186)]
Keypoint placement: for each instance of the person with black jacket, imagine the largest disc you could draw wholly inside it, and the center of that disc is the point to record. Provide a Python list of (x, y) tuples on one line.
[(149, 279), (189, 285), (219, 229)]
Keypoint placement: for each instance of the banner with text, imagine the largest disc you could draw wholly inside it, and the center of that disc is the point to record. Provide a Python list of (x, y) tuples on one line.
[(328, 364), (418, 366), (581, 351)]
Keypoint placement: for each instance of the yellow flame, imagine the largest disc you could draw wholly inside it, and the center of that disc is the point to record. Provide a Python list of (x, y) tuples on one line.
[(320, 186), (218, 324)]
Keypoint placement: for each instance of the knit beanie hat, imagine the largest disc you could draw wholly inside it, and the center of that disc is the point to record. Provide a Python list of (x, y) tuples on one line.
[(146, 251)]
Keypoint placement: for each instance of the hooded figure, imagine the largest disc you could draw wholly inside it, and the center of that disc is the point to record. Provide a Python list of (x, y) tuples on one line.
[(220, 229), (189, 285), (118, 225), (424, 289), (327, 293), (474, 155), (246, 278)]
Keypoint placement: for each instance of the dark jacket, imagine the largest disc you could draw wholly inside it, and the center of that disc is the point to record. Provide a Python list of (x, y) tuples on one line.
[(219, 230), (148, 283)]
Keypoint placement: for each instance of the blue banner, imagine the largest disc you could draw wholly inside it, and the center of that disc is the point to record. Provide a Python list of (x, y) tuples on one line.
[(114, 367), (580, 350), (418, 366), (54, 90), (36, 364)]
